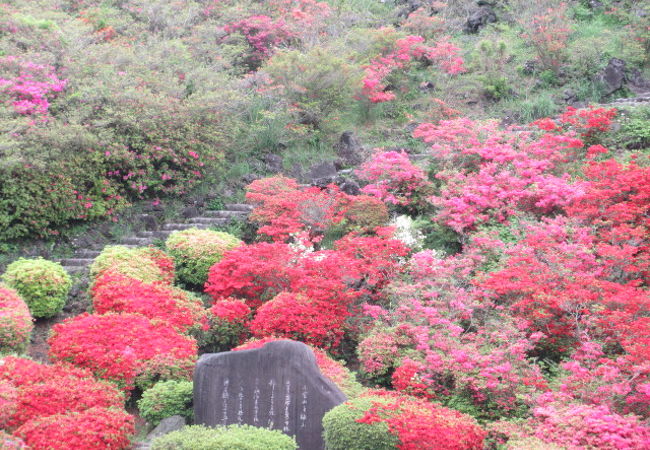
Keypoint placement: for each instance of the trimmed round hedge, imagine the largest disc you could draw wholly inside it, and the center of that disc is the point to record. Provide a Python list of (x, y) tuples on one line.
[(195, 251), (15, 322), (166, 399), (232, 437), (343, 432), (146, 264), (43, 284)]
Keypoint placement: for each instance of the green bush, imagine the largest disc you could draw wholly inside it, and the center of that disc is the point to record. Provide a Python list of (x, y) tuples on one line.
[(195, 251), (232, 437), (166, 399), (343, 432), (146, 264), (635, 128), (318, 83), (44, 285)]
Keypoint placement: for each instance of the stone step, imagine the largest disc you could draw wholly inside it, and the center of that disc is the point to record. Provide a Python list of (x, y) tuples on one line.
[(161, 234), (184, 226), (216, 221), (228, 214), (87, 254), (237, 207), (137, 241), (75, 269), (76, 261)]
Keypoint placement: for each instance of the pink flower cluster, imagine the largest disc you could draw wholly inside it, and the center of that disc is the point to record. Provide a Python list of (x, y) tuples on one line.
[(443, 53), (28, 85)]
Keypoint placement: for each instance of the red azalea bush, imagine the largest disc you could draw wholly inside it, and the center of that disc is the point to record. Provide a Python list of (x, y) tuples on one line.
[(129, 349), (614, 204), (62, 394), (113, 292), (420, 425), (573, 301), (375, 260), (59, 393), (590, 122), (394, 178), (282, 209), (15, 322), (255, 272), (92, 428), (228, 321), (295, 316)]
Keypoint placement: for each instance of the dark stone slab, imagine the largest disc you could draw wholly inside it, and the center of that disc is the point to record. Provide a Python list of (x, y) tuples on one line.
[(277, 386)]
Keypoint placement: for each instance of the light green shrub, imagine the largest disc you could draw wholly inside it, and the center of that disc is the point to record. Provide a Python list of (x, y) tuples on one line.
[(146, 264), (166, 399), (195, 251), (232, 437), (44, 285), (343, 432)]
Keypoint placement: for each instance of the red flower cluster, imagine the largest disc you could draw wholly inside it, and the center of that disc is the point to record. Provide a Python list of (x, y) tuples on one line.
[(125, 348), (92, 428), (294, 316), (33, 395), (231, 310), (15, 321), (421, 425), (113, 292)]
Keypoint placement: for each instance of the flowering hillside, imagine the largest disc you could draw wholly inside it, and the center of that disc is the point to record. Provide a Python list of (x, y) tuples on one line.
[(448, 202)]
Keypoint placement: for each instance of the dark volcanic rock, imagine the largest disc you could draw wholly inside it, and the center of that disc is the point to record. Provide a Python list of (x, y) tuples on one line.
[(273, 163), (166, 426), (349, 149), (322, 174), (277, 386), (479, 18), (613, 76)]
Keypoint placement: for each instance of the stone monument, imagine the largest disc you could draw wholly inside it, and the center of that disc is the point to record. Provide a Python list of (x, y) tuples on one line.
[(276, 386)]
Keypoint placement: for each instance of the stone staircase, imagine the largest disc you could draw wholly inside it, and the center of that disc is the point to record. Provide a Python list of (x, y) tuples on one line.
[(81, 260)]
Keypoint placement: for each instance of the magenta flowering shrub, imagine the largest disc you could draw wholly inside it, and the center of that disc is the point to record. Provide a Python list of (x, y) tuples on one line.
[(489, 174), (579, 426), (405, 50), (28, 86), (394, 179)]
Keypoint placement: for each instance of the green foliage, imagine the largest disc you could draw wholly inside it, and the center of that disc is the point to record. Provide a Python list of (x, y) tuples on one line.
[(132, 262), (343, 432), (194, 251), (635, 128), (489, 61), (232, 437), (317, 83), (166, 399), (44, 285), (438, 237)]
